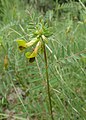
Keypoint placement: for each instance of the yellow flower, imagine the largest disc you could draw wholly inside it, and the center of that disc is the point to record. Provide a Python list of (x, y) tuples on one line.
[(38, 41), (35, 52), (23, 44)]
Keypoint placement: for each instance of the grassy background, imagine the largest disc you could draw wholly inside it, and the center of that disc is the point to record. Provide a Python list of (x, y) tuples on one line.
[(23, 92)]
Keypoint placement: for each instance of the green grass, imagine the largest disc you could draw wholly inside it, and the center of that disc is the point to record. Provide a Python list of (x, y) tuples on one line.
[(23, 91)]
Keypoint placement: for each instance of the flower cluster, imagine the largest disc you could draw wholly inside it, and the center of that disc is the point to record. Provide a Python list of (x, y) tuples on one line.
[(37, 41)]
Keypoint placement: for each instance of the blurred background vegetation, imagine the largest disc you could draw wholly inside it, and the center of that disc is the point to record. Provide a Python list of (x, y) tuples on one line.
[(23, 93)]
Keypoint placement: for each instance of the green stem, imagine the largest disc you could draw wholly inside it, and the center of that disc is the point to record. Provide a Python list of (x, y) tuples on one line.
[(48, 86)]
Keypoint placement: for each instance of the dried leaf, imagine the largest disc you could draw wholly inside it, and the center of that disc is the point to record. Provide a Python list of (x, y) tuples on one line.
[(6, 61)]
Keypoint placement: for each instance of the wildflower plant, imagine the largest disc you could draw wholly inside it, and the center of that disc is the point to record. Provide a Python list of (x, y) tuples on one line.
[(37, 45), (38, 41)]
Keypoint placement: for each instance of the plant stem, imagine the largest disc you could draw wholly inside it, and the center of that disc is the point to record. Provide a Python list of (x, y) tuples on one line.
[(48, 86)]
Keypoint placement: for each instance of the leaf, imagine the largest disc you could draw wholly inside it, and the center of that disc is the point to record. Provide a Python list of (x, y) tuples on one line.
[(63, 52), (0, 40), (83, 58), (68, 50), (68, 30)]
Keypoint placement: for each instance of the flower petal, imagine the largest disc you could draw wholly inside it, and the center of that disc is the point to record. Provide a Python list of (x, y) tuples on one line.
[(21, 44), (27, 54), (32, 42), (34, 53), (45, 39)]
